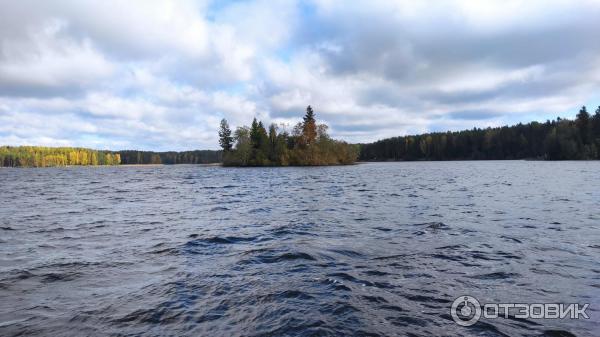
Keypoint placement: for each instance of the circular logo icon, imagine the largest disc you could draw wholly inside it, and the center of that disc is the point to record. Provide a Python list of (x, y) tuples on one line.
[(466, 310)]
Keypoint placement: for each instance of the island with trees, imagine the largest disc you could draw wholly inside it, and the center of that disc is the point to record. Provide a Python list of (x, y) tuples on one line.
[(308, 144)]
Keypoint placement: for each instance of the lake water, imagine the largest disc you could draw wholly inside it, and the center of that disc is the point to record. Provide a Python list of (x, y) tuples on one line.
[(370, 249)]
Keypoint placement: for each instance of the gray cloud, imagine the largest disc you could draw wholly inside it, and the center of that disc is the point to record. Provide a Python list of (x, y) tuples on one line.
[(160, 75), (474, 114)]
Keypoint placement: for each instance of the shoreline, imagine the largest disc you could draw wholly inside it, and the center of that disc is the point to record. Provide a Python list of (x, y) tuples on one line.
[(275, 166)]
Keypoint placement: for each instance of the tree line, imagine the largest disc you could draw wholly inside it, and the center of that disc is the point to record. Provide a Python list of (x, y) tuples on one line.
[(133, 157), (307, 144), (39, 156), (560, 139)]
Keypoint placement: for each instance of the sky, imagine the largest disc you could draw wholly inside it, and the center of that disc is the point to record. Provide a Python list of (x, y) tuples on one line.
[(160, 75)]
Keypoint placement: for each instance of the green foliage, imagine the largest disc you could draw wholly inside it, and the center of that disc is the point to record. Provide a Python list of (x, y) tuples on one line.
[(39, 156), (308, 144), (133, 157), (309, 127), (561, 139), (225, 138)]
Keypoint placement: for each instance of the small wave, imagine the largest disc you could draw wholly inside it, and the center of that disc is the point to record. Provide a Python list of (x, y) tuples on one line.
[(557, 333), (376, 273), (222, 240), (59, 277), (153, 316), (165, 251), (426, 299), (350, 278), (336, 284), (383, 229), (51, 277), (347, 252), (289, 232), (496, 276), (505, 255), (404, 321), (435, 225), (447, 257), (51, 230), (453, 247), (417, 275), (22, 275), (374, 299), (508, 238), (285, 295), (277, 258), (288, 257), (259, 210), (388, 257)]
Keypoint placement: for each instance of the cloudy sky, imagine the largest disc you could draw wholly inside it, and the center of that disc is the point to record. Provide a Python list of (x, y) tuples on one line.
[(159, 75)]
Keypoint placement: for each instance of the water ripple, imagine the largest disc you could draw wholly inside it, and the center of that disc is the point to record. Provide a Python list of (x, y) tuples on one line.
[(365, 250)]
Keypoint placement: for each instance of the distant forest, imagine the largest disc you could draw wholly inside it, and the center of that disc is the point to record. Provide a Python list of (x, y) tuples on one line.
[(308, 144), (560, 139), (38, 156), (185, 157)]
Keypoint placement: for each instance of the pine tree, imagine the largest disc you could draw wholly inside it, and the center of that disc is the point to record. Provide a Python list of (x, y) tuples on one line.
[(272, 134), (596, 124), (263, 143), (272, 142), (225, 138), (255, 134), (583, 124), (309, 126)]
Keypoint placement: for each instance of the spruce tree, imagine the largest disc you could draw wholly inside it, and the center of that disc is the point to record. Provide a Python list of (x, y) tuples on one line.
[(596, 124), (272, 134), (255, 134), (583, 124), (263, 142), (272, 142), (309, 126), (225, 138)]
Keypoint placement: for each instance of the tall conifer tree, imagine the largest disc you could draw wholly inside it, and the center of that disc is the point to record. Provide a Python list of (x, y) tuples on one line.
[(309, 126), (225, 138)]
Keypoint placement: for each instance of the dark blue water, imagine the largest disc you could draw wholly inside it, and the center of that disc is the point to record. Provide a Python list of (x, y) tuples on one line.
[(372, 249)]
